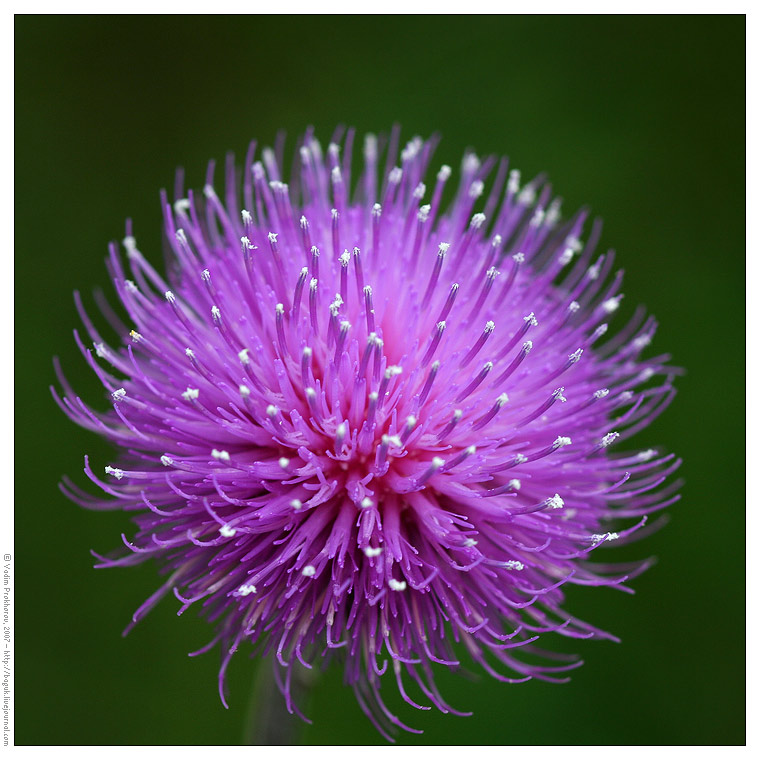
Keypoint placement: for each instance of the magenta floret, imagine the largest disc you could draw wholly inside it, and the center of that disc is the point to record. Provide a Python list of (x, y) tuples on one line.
[(355, 424)]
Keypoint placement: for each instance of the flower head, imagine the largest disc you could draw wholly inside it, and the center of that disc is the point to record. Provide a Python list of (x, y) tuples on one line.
[(358, 423)]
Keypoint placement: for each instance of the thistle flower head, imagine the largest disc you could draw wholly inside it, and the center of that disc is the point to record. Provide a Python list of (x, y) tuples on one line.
[(358, 423)]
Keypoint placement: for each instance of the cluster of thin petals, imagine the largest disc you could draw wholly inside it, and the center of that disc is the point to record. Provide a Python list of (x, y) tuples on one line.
[(376, 417)]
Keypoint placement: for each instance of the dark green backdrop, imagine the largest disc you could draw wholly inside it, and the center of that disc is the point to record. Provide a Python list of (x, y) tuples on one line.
[(641, 117)]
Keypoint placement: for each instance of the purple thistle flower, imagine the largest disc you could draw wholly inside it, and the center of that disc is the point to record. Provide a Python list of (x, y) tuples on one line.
[(366, 425)]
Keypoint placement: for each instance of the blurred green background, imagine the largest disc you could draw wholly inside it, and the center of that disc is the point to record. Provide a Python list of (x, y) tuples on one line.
[(640, 117)]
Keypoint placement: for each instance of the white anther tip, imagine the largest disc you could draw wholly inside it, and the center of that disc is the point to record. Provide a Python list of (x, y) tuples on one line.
[(227, 531)]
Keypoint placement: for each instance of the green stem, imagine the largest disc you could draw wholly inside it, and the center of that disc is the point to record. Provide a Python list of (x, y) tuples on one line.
[(269, 723)]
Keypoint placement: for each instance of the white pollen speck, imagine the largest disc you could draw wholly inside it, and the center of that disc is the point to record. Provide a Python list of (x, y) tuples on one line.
[(335, 174), (527, 346), (514, 564), (645, 456), (559, 394), (470, 163), (395, 440), (538, 218), (394, 370), (243, 356), (136, 337), (119, 394), (365, 503), (246, 589), (476, 189), (215, 313), (373, 396), (206, 275), (221, 455), (377, 210), (470, 542), (471, 450), (244, 390), (444, 173), (646, 374), (395, 175), (573, 306), (395, 585), (520, 458), (334, 213), (310, 392), (190, 394), (296, 504), (611, 304), (601, 393), (565, 257), (527, 196), (167, 461), (279, 309), (574, 244), (115, 471), (344, 258), (609, 439), (555, 502), (531, 319), (272, 237), (443, 247), (308, 571), (490, 326), (514, 181), (515, 484), (562, 440), (208, 191), (246, 216), (371, 552), (419, 191), (593, 271), (423, 213), (575, 356), (272, 410), (170, 297), (437, 462), (182, 205), (477, 221), (503, 398), (227, 531), (283, 462)]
